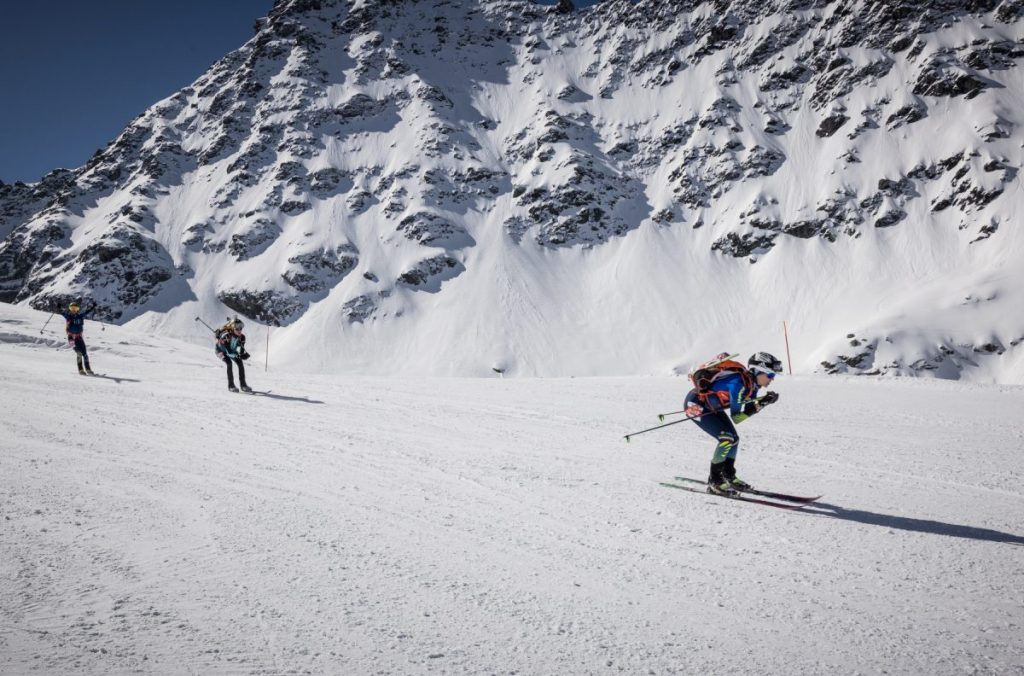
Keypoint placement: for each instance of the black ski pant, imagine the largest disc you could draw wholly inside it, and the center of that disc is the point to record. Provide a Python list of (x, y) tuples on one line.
[(81, 355), (231, 375), (720, 426)]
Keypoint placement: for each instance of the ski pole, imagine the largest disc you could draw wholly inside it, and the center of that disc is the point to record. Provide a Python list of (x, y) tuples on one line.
[(205, 324), (661, 416), (47, 322), (674, 422)]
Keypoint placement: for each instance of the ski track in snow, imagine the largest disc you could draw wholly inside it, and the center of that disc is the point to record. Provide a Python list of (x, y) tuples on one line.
[(159, 524)]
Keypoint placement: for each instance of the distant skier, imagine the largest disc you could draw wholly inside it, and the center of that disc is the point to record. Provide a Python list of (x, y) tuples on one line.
[(231, 348), (75, 324), (724, 388)]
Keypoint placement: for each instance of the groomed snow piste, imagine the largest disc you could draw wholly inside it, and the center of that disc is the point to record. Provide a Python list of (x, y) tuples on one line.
[(155, 523)]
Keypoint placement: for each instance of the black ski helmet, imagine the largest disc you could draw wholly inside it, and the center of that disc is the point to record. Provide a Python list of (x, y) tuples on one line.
[(763, 362)]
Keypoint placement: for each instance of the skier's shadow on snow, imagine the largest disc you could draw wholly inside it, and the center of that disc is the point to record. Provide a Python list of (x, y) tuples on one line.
[(117, 379), (915, 525), (305, 400)]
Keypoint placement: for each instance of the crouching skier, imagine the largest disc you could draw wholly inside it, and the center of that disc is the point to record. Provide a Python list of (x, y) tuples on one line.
[(75, 324), (724, 395), (231, 349)]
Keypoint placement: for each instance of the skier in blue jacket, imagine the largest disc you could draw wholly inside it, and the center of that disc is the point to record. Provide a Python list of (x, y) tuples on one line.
[(723, 396), (75, 324), (231, 349)]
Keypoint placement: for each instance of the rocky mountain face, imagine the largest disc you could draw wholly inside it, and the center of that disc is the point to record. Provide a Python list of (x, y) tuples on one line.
[(497, 183)]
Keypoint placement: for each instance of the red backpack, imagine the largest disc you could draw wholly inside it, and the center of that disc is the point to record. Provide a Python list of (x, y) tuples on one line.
[(703, 375)]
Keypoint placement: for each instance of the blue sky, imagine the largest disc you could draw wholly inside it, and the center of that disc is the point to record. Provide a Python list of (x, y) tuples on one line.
[(73, 73)]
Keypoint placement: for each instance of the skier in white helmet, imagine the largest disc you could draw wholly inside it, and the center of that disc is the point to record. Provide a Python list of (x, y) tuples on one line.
[(725, 393)]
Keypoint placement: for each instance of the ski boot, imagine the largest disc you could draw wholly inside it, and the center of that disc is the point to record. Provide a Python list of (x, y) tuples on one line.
[(740, 484), (88, 371), (729, 472), (718, 484), (232, 388), (81, 372), (724, 489), (246, 388)]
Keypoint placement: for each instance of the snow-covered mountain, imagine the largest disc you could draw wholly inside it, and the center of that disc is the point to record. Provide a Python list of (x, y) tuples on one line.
[(462, 187)]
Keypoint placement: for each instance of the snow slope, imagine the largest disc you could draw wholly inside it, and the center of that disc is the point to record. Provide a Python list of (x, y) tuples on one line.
[(155, 523)]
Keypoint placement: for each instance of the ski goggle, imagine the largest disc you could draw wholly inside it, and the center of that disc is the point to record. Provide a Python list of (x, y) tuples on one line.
[(760, 370), (74, 307)]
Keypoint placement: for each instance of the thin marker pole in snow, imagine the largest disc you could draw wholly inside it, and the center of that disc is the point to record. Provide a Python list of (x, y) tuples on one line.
[(788, 358), (266, 363)]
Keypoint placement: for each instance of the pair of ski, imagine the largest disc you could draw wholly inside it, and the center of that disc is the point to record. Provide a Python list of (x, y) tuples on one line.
[(780, 500)]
